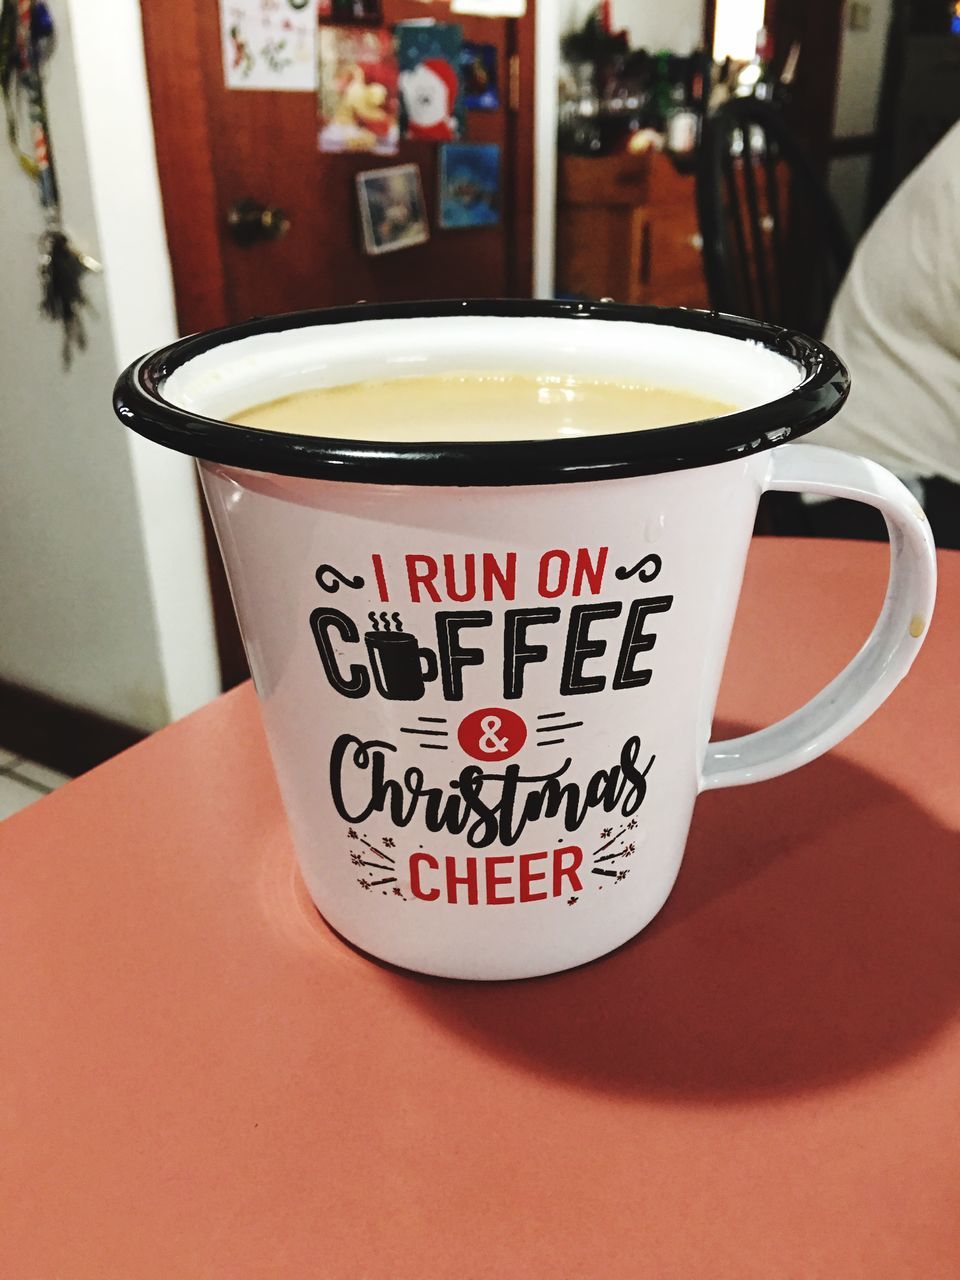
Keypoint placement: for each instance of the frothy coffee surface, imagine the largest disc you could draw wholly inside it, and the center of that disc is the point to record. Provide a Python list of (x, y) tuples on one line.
[(478, 406)]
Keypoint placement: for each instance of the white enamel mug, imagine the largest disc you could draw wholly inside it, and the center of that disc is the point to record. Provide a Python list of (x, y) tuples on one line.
[(488, 670)]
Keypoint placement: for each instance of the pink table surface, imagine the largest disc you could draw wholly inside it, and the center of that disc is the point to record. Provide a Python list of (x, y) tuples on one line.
[(198, 1079)]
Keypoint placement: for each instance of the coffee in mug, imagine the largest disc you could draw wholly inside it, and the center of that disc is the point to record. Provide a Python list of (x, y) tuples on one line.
[(497, 405), (486, 628)]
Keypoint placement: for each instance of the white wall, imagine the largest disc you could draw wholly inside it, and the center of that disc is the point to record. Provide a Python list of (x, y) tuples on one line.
[(858, 100), (661, 24), (651, 24), (861, 73), (104, 600)]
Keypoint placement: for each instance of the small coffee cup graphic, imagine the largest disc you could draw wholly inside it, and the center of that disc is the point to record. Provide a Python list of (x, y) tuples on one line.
[(399, 666)]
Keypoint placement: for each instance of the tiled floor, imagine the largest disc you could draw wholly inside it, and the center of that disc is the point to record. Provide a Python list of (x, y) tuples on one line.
[(22, 782)]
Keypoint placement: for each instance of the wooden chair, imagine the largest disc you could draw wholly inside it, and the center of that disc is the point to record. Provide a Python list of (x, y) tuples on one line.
[(774, 247)]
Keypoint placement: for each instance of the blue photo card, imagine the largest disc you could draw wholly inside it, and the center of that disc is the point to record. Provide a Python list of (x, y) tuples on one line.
[(478, 73), (469, 185)]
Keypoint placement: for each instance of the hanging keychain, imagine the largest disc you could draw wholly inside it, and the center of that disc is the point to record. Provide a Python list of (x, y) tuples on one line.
[(26, 38)]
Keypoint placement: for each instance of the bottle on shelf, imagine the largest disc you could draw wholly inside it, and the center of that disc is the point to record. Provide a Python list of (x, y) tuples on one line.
[(754, 79), (682, 122)]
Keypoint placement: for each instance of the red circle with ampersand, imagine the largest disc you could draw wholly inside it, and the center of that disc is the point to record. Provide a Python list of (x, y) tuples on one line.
[(492, 734)]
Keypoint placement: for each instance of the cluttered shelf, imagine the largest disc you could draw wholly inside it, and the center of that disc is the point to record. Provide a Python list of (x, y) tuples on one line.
[(630, 131)]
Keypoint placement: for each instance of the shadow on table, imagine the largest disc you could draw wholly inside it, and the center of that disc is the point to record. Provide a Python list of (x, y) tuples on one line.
[(812, 936)]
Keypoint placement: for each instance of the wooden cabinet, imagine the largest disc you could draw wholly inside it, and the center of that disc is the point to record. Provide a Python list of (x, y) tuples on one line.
[(627, 229)]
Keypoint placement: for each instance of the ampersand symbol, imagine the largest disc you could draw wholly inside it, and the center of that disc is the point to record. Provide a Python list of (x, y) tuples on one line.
[(492, 731), (489, 743)]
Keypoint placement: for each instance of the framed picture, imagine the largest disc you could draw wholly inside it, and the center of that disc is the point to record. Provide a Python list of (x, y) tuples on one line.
[(357, 74), (478, 73), (469, 184), (392, 210), (266, 47), (431, 97)]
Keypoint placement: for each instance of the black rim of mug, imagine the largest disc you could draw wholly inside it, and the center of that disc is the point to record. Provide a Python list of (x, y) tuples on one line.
[(822, 388)]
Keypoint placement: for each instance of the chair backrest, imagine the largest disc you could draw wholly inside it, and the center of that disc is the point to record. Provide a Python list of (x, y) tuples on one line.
[(774, 247)]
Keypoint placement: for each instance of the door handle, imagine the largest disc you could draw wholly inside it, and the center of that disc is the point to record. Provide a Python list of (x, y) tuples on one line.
[(250, 222)]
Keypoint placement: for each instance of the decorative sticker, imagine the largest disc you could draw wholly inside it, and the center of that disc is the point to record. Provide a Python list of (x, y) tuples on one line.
[(269, 44), (480, 779)]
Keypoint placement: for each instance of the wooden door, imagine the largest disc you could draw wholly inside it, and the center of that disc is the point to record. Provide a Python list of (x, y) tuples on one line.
[(817, 27), (217, 146)]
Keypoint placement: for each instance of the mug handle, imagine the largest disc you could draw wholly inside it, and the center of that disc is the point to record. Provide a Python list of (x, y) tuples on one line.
[(893, 644), (428, 664)]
